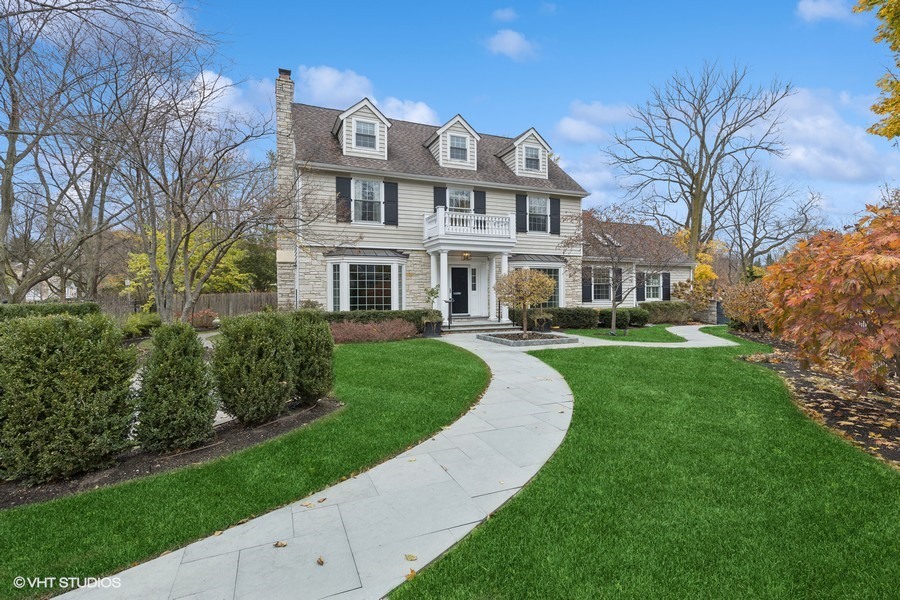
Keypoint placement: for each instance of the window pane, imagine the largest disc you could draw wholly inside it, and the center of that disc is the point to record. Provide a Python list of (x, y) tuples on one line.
[(532, 159), (553, 302), (652, 287), (459, 200), (370, 287), (458, 147), (602, 284), (335, 287), (367, 201), (474, 280), (537, 214), (365, 134)]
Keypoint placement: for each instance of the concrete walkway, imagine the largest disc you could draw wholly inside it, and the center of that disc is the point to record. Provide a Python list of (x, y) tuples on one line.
[(371, 530)]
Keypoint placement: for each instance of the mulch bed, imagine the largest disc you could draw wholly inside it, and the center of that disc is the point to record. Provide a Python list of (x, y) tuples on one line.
[(229, 437), (531, 335), (871, 420)]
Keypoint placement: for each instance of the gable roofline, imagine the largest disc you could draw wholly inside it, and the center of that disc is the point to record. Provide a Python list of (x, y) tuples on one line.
[(457, 119), (364, 102), (516, 142)]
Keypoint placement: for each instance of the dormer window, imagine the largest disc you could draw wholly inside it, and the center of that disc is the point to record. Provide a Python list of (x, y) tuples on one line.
[(365, 134), (459, 148), (532, 158)]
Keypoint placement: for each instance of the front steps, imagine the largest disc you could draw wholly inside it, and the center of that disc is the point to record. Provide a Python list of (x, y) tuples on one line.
[(477, 325)]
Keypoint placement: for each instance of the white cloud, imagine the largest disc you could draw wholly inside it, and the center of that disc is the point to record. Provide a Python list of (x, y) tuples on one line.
[(823, 145), (409, 110), (327, 86), (512, 44), (597, 177), (253, 97), (819, 10), (587, 122), (505, 14), (333, 88)]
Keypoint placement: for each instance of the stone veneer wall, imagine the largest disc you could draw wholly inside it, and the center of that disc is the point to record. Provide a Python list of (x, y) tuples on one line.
[(418, 277)]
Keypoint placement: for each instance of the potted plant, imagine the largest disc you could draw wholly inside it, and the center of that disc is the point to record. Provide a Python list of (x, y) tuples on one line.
[(542, 321), (433, 321)]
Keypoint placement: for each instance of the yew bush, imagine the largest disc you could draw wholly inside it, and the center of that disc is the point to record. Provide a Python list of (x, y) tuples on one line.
[(838, 295)]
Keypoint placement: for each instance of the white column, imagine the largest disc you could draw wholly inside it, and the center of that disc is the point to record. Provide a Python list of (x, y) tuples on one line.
[(492, 293), (504, 269), (435, 279), (445, 287)]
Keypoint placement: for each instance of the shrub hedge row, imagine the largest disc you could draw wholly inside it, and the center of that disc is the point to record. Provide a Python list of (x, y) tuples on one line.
[(588, 318), (77, 309), (669, 311), (416, 317)]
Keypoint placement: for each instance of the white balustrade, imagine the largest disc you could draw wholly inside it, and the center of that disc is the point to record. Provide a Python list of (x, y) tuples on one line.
[(460, 223)]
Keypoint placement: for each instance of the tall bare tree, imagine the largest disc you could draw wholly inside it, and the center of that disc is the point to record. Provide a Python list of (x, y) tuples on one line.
[(694, 129)]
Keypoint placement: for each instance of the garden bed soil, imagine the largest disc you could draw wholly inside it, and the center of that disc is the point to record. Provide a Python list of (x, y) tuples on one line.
[(870, 420), (229, 437), (532, 338)]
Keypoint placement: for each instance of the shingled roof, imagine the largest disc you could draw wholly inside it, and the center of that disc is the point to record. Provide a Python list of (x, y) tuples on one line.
[(634, 241), (407, 153)]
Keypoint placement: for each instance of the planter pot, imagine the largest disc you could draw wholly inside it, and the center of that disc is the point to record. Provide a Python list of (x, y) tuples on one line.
[(543, 326), (432, 330)]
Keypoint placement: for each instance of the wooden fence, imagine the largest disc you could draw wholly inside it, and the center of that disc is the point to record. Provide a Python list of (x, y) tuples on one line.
[(225, 305)]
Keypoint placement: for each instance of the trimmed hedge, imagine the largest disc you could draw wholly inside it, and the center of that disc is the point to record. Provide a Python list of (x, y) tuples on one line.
[(176, 406), (141, 324), (623, 318), (253, 364), (638, 317), (313, 355), (42, 309), (415, 316), (66, 404), (566, 318), (673, 311)]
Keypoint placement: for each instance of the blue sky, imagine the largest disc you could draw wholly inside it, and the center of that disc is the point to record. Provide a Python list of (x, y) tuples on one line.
[(571, 69)]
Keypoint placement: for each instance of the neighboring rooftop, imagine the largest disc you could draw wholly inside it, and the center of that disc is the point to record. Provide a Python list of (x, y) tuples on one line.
[(631, 240), (407, 154)]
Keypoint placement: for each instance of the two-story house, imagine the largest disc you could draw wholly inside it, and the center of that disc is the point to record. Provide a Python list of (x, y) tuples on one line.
[(409, 206)]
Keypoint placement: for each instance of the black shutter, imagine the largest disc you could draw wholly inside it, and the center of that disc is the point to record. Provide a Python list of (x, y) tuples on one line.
[(390, 203), (440, 197), (617, 283), (342, 202), (667, 286), (639, 290), (554, 216), (521, 213), (480, 203), (587, 285)]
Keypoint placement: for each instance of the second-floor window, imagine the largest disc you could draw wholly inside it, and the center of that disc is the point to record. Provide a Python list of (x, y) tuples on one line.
[(365, 134), (366, 201), (532, 158), (538, 213), (459, 200), (459, 148)]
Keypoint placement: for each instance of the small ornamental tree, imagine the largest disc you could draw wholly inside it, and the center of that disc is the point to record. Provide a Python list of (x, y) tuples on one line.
[(522, 289), (838, 294), (744, 303)]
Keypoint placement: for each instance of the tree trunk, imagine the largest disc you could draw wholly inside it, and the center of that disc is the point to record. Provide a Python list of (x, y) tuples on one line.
[(612, 323), (524, 318)]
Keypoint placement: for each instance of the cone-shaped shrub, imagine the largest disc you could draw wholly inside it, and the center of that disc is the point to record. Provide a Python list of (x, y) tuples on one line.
[(176, 406), (253, 364), (313, 355), (66, 404)]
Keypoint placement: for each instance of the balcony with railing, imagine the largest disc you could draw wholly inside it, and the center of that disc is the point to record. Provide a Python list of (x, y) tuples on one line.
[(463, 228)]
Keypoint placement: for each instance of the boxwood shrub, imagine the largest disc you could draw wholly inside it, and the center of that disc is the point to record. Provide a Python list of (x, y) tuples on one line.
[(313, 355), (623, 318), (668, 311), (566, 318), (66, 404), (415, 316), (176, 406), (77, 309), (638, 317), (253, 365), (141, 324)]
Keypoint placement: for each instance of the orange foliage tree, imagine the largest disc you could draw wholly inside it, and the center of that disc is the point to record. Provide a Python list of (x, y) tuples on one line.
[(838, 294)]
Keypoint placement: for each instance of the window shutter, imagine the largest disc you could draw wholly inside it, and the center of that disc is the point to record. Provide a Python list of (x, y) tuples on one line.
[(480, 204), (440, 197), (587, 285), (390, 203), (639, 290), (554, 216), (667, 286), (617, 283), (342, 201), (521, 213)]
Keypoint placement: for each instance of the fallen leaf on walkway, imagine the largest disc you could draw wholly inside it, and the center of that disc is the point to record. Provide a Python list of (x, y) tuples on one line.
[(242, 521), (280, 544), (307, 504), (320, 561), (321, 500), (411, 574), (217, 533), (412, 460), (411, 557)]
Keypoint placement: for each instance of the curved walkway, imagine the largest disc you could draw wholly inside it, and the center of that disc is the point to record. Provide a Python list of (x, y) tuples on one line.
[(370, 530)]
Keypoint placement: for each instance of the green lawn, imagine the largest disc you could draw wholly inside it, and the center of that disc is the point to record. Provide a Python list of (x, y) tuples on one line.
[(389, 406), (685, 474), (651, 333)]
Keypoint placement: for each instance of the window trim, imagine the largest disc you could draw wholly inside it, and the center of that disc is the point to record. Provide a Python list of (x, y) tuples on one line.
[(353, 200), (525, 149), (469, 191), (355, 121), (528, 214), (658, 286), (450, 158), (594, 284)]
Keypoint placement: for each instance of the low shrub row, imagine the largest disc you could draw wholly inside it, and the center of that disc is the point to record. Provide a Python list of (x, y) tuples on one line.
[(66, 400), (587, 318), (383, 331), (77, 309), (416, 317), (668, 311), (625, 317)]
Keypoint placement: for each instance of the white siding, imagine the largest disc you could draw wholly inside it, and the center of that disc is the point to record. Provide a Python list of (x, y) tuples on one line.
[(531, 140), (364, 113), (676, 274), (510, 159), (457, 129)]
